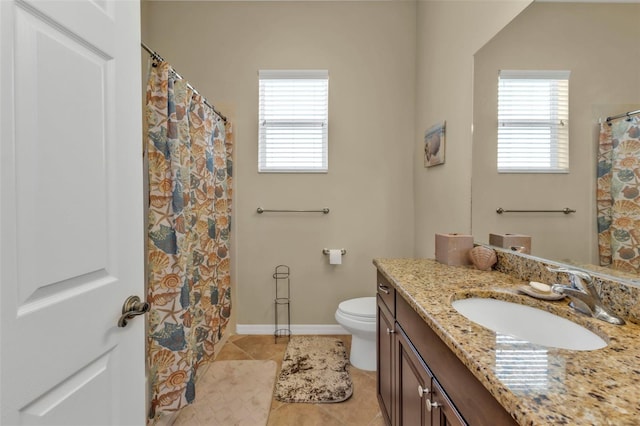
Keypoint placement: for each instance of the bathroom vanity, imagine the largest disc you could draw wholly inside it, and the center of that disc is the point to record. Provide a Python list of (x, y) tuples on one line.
[(412, 377), (435, 367)]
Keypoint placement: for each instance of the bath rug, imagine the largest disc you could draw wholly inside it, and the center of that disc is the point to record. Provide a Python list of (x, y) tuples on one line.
[(232, 393), (314, 369)]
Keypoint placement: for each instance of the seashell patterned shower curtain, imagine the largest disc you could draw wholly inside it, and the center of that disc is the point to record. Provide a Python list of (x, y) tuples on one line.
[(190, 163), (618, 194)]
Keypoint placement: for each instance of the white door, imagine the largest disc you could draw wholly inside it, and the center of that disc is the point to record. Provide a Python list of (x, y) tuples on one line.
[(71, 221)]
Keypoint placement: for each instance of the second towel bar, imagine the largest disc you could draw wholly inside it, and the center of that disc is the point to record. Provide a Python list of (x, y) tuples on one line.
[(260, 210), (566, 210)]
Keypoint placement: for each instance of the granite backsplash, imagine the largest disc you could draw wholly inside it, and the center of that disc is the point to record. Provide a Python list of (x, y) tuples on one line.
[(622, 296)]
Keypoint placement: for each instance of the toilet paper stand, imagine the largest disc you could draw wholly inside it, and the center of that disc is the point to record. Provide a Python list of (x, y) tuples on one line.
[(282, 301)]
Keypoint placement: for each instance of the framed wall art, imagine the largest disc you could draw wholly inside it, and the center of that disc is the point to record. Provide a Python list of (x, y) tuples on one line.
[(434, 144)]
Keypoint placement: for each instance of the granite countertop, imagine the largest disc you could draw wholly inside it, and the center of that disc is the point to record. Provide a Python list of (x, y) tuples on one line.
[(552, 386)]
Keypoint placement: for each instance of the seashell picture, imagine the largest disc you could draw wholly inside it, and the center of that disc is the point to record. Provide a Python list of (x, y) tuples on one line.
[(434, 141)]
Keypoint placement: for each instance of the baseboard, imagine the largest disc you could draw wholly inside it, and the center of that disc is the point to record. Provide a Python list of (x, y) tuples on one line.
[(295, 329)]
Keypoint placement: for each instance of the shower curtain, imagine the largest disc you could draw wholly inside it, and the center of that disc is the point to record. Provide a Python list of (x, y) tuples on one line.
[(618, 194), (189, 160)]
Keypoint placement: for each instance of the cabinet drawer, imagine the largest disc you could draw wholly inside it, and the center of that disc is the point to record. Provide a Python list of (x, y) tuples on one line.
[(387, 293)]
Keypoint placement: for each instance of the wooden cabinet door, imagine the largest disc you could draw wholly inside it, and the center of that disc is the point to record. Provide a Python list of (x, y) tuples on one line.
[(443, 413), (412, 386), (386, 331)]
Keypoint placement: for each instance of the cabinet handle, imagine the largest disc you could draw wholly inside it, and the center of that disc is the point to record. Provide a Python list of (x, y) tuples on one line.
[(422, 391), (431, 405), (383, 288), (389, 331)]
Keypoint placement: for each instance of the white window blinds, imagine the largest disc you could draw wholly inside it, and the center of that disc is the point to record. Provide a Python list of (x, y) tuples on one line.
[(293, 121), (533, 121)]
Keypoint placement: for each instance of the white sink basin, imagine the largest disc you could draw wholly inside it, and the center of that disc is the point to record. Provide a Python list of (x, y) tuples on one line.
[(527, 323)]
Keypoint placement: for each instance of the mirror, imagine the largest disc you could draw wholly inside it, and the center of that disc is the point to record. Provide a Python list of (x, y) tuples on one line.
[(597, 42)]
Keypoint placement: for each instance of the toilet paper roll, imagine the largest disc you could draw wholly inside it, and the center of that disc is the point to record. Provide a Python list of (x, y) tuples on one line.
[(335, 257)]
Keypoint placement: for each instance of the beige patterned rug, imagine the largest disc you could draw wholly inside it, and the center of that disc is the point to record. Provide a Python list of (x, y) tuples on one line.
[(232, 393), (314, 369)]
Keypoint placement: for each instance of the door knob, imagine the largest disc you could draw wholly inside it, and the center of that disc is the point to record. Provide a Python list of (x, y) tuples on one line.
[(132, 307), (422, 391), (431, 405)]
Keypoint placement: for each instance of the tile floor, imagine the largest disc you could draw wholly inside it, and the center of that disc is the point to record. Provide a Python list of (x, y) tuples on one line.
[(359, 410)]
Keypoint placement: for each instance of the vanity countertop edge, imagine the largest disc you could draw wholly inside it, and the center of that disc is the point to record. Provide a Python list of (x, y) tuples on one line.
[(579, 387)]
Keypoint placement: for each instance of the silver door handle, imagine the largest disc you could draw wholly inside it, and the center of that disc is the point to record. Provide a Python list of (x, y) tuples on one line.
[(383, 288)]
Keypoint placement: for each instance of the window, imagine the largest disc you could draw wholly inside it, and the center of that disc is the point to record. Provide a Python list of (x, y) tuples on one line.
[(533, 122), (293, 121)]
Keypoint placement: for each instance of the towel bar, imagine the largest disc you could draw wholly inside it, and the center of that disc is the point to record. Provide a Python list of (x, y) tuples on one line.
[(566, 210), (260, 210)]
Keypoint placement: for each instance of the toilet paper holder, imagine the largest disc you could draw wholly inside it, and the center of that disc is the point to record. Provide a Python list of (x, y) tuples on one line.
[(326, 251)]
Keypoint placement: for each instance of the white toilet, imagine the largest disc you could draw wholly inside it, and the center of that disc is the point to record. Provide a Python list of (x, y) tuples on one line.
[(358, 317)]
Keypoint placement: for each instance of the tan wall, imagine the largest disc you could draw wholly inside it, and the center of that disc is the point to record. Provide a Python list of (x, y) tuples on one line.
[(598, 44), (369, 50), (395, 69), (448, 35)]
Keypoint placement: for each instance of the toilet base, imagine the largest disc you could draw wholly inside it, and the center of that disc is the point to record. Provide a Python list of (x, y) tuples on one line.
[(363, 353)]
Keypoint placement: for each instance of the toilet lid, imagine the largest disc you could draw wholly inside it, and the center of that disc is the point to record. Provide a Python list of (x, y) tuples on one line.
[(364, 307)]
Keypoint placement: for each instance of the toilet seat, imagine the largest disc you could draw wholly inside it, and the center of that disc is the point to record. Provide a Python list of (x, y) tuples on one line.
[(361, 308)]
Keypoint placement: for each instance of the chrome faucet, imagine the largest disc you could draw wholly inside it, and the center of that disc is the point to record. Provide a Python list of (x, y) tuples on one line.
[(583, 295)]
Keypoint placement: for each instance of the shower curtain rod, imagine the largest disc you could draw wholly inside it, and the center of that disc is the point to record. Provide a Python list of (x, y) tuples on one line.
[(156, 57), (627, 114)]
